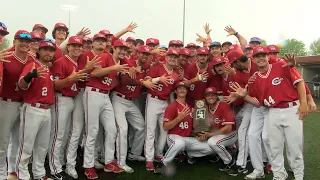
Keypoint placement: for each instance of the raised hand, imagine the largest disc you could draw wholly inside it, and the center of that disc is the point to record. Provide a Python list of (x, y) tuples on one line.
[(92, 63), (230, 30), (120, 67), (165, 79), (184, 113), (242, 92), (206, 28), (40, 71), (229, 70), (78, 76), (201, 39), (4, 54), (84, 32), (131, 27), (290, 60)]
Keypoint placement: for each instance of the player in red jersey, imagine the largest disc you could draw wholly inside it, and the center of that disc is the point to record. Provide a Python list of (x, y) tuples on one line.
[(40, 29), (11, 100), (197, 77), (87, 43), (98, 107), (248, 50), (60, 33), (255, 42), (131, 48), (193, 48), (179, 124), (223, 132), (126, 111), (36, 81), (182, 63), (157, 101), (288, 103), (37, 38), (175, 45)]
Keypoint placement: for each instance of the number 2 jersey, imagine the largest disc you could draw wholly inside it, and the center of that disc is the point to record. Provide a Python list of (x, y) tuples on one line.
[(276, 85), (184, 127)]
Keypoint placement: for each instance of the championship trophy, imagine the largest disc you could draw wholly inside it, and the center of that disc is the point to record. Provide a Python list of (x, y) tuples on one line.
[(201, 118)]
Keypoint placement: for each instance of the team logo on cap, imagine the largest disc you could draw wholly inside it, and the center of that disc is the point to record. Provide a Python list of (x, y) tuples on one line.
[(260, 49), (202, 50), (146, 48), (272, 48), (186, 51), (276, 81), (61, 24), (174, 51), (151, 40), (49, 44), (37, 35), (76, 39), (218, 59)]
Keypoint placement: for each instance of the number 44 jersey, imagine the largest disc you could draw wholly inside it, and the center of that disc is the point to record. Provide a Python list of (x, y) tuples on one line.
[(276, 85)]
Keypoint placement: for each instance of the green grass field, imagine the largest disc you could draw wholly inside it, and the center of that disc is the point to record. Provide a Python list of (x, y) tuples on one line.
[(205, 170)]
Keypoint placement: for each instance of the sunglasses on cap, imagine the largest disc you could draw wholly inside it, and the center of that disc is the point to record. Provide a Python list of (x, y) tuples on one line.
[(49, 40), (3, 25), (24, 35)]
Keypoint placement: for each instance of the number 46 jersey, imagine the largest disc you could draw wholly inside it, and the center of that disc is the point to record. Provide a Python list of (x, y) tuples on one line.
[(276, 85)]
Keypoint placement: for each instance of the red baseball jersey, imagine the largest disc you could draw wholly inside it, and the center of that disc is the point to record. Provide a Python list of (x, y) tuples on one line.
[(196, 90), (107, 82), (1, 76), (11, 74), (163, 91), (82, 62), (40, 90), (252, 68), (32, 55), (131, 89), (184, 127), (58, 53), (280, 84), (221, 116), (61, 69)]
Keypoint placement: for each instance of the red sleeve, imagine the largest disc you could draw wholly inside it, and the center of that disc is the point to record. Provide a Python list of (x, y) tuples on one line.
[(292, 74), (170, 113), (228, 116), (58, 70), (26, 70), (215, 81), (307, 89), (152, 73), (188, 73), (82, 61)]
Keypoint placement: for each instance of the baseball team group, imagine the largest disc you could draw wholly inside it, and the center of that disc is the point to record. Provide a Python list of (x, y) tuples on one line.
[(138, 100)]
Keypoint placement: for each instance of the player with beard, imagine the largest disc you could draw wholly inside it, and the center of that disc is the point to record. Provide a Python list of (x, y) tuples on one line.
[(87, 44), (182, 63), (11, 101), (37, 38), (36, 81), (197, 77), (40, 29)]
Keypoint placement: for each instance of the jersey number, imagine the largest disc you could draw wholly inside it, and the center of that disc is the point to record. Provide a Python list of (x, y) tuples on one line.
[(107, 81), (44, 91), (191, 87), (184, 125), (268, 102), (74, 87), (160, 87), (131, 88)]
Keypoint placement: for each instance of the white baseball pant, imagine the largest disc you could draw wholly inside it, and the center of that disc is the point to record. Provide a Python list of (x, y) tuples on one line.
[(13, 146), (219, 143), (155, 109), (190, 144), (284, 126), (243, 145), (61, 113), (35, 124), (99, 150), (76, 130), (257, 129), (125, 112), (131, 130), (98, 107), (9, 112), (63, 149)]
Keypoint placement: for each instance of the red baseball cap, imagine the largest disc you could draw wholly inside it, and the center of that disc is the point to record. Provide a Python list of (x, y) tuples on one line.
[(174, 42), (36, 26), (248, 46), (172, 52), (180, 43), (211, 90), (3, 28), (151, 41), (99, 36), (260, 50), (130, 39), (185, 51), (218, 60), (192, 45), (60, 25), (273, 49), (226, 43), (120, 43), (105, 32), (144, 49), (36, 35), (234, 46), (157, 41), (22, 34), (180, 83), (75, 40), (47, 44), (203, 50), (87, 38), (234, 55)]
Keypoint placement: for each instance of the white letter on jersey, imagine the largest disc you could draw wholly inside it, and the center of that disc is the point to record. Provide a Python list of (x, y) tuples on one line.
[(107, 81), (184, 125), (191, 87), (74, 87), (44, 91), (160, 87), (131, 88), (270, 102)]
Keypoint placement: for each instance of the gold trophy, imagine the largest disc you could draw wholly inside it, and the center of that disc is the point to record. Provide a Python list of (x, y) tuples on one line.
[(201, 118)]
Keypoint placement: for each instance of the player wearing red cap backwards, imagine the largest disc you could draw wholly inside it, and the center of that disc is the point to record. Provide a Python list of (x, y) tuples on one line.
[(179, 124), (11, 100), (98, 107), (197, 76), (126, 111), (37, 38), (157, 101), (36, 81), (87, 43), (66, 73), (223, 132), (4, 53), (286, 108), (40, 29)]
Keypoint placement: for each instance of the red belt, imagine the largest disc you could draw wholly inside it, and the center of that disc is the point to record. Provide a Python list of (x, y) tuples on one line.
[(285, 104), (10, 100), (157, 97), (124, 97), (40, 105), (100, 90)]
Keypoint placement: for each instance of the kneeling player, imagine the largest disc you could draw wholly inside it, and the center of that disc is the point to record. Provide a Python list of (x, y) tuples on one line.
[(178, 123)]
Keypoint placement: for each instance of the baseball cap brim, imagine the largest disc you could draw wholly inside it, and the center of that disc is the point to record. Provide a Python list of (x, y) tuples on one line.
[(4, 32)]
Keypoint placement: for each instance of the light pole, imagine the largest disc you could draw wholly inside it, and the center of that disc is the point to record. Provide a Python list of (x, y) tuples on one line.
[(69, 8), (184, 19)]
